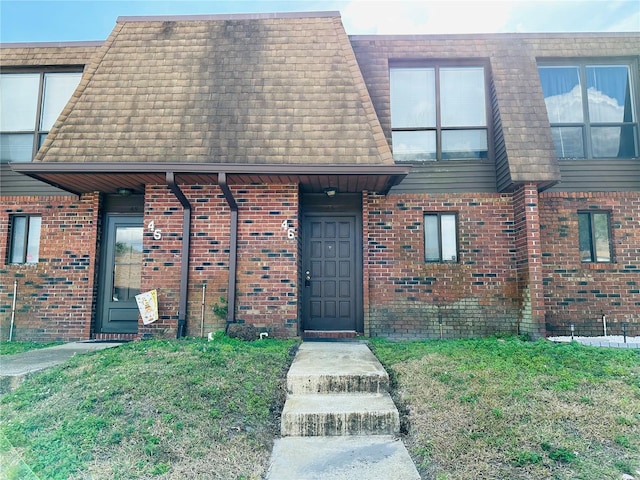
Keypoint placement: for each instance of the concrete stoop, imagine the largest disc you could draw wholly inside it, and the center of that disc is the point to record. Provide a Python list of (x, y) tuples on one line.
[(339, 421)]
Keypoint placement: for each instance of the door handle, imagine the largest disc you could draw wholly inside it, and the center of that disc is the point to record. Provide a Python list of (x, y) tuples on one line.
[(307, 278)]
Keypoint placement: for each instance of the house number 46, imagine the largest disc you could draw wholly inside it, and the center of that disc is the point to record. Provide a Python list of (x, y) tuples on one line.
[(291, 233), (157, 233)]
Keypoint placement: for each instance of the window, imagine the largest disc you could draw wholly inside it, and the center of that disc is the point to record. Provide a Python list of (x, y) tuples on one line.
[(25, 239), (31, 103), (438, 113), (440, 237), (591, 109), (594, 236)]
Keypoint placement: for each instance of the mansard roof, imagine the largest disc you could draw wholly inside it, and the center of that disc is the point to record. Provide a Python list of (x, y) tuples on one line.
[(240, 89)]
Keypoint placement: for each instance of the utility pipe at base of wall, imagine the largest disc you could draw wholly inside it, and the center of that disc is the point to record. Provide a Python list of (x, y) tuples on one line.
[(13, 309)]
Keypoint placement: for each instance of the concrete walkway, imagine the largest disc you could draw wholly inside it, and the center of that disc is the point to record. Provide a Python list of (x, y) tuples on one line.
[(15, 368), (339, 422)]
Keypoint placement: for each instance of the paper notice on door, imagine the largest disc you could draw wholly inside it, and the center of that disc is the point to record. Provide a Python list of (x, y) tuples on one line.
[(148, 306)]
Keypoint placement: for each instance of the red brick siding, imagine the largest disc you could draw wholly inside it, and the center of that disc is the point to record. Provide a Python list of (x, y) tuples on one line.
[(580, 293), (529, 261), (267, 273), (267, 287), (476, 296), (55, 298)]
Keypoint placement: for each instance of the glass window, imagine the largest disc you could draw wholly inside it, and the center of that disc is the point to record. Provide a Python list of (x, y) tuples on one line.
[(440, 237), (25, 239), (438, 113), (594, 236), (20, 124), (58, 88), (591, 110)]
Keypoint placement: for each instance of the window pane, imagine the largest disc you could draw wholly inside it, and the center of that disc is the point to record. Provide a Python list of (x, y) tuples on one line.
[(414, 146), (431, 238), (609, 94), (33, 242), (16, 147), (449, 240), (58, 88), (613, 142), (584, 234), (413, 97), (601, 228), (19, 100), (127, 263), (562, 94), (568, 142), (464, 144), (18, 238), (462, 97)]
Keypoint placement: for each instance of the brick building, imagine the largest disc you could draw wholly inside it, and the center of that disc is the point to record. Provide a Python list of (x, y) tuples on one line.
[(319, 184)]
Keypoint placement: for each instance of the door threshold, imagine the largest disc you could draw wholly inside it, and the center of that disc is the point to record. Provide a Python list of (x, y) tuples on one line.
[(329, 335)]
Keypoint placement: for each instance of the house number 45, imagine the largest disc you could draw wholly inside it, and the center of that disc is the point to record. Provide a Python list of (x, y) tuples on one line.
[(157, 233), (291, 232)]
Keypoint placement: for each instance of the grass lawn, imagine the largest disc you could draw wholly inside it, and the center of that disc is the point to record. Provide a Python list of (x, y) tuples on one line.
[(508, 409), (149, 409), (11, 348), (191, 409)]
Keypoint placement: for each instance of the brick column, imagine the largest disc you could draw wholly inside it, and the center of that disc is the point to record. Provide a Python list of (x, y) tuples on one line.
[(365, 262), (529, 261)]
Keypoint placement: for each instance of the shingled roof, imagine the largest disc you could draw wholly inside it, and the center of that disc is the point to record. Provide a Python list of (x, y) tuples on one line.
[(243, 89)]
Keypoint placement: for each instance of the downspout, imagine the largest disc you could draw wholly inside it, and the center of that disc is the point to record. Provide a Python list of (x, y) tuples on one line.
[(233, 246), (186, 245)]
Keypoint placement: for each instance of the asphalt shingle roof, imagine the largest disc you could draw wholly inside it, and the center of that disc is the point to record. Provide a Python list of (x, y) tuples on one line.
[(259, 90)]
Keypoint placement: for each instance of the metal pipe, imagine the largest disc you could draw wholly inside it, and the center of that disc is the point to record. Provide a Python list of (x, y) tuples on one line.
[(204, 290), (233, 246), (186, 245), (13, 309), (604, 323)]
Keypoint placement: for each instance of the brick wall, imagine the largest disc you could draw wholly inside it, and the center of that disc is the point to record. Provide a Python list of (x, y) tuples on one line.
[(580, 293), (55, 297), (407, 296), (528, 261), (267, 277)]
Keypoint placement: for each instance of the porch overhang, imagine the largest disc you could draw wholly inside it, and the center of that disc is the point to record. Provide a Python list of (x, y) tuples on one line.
[(79, 178)]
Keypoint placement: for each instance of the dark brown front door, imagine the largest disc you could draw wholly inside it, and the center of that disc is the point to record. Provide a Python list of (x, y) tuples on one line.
[(331, 281)]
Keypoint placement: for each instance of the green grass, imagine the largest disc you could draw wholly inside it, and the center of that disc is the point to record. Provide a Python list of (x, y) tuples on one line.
[(11, 348), (149, 409), (500, 408)]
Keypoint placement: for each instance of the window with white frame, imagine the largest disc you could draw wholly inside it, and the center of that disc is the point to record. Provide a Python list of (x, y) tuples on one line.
[(31, 103), (25, 239), (440, 237), (592, 109), (594, 234), (439, 113)]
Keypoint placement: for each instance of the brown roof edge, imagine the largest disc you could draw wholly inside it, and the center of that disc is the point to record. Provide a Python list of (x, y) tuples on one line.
[(228, 16), (228, 168)]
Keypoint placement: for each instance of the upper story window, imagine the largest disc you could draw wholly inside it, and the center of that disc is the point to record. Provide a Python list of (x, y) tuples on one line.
[(439, 113), (31, 103), (591, 109)]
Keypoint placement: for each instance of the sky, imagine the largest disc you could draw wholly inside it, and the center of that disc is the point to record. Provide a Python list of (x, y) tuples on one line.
[(86, 20)]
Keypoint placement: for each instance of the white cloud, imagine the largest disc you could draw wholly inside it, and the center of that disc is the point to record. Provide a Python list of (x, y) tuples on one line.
[(386, 17)]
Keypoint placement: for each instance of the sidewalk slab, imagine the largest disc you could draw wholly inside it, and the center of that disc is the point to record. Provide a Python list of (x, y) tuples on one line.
[(15, 368), (378, 457)]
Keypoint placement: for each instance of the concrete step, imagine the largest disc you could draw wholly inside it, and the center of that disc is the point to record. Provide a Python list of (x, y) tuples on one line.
[(381, 457), (333, 367), (339, 414)]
